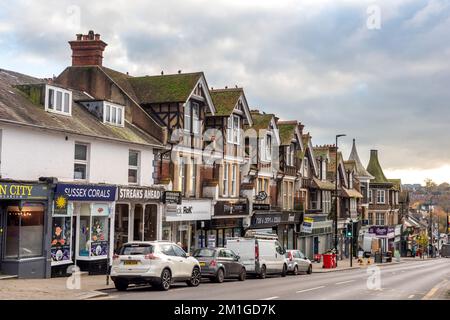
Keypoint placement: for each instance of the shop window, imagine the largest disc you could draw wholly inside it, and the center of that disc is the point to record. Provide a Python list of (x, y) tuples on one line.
[(81, 161), (121, 225), (24, 232), (93, 230), (133, 167), (150, 222), (138, 224), (61, 250)]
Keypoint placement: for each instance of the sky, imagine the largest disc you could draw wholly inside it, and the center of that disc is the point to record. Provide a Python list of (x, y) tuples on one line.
[(377, 71)]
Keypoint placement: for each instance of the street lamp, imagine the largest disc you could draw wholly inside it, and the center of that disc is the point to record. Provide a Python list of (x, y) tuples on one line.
[(430, 246), (336, 198)]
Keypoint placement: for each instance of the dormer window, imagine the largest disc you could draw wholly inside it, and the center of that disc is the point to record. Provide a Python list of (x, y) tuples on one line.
[(58, 100), (113, 114), (234, 129)]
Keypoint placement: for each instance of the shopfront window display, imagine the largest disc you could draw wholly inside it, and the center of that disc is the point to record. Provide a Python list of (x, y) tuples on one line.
[(24, 231), (93, 231), (61, 251)]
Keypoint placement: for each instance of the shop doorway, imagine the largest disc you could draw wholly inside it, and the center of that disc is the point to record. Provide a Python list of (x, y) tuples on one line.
[(316, 245), (138, 225), (121, 225), (184, 236)]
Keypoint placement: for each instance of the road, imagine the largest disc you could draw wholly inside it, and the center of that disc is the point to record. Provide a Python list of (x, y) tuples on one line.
[(412, 280)]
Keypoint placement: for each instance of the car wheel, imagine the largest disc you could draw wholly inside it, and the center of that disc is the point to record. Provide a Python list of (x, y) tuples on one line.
[(296, 270), (309, 270), (242, 275), (262, 273), (284, 271), (166, 280), (220, 276), (121, 285), (196, 276)]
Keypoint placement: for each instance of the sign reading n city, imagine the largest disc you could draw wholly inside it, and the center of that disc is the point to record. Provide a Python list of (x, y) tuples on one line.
[(22, 191)]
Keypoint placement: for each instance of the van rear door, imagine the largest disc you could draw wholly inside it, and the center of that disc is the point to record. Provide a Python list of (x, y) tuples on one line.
[(245, 249)]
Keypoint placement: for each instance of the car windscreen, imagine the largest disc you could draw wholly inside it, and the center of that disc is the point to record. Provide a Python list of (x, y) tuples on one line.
[(204, 253), (136, 249)]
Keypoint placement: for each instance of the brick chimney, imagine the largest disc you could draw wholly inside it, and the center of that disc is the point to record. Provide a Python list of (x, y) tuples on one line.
[(87, 50)]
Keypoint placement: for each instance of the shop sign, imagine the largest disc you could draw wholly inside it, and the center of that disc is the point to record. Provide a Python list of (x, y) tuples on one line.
[(172, 197), (189, 211), (76, 192), (142, 194), (261, 207), (225, 208), (23, 191), (266, 219), (382, 231), (307, 225)]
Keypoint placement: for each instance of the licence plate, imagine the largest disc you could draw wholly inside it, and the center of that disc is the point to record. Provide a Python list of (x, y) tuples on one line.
[(130, 262), (202, 264)]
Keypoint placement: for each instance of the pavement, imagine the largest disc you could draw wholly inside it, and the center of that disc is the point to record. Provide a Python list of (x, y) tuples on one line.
[(409, 279)]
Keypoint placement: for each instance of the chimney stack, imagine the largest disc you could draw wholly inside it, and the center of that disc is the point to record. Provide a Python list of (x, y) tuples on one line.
[(87, 50)]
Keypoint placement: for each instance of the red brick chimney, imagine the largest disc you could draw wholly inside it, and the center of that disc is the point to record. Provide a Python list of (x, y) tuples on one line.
[(87, 50)]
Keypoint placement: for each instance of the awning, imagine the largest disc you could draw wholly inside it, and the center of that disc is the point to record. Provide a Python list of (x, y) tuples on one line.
[(351, 193), (323, 185)]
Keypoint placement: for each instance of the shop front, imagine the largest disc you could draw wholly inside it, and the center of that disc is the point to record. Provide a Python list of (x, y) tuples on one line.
[(316, 235), (184, 223), (82, 227), (227, 222), (24, 232), (284, 224), (138, 214)]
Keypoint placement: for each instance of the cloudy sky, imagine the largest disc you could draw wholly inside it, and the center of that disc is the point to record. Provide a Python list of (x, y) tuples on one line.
[(333, 65)]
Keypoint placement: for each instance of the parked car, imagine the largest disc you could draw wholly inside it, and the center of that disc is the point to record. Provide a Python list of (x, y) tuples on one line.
[(158, 263), (298, 262), (259, 255), (220, 263)]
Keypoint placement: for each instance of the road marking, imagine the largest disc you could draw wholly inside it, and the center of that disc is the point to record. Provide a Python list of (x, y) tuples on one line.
[(271, 298), (433, 291), (345, 282), (411, 296), (310, 289)]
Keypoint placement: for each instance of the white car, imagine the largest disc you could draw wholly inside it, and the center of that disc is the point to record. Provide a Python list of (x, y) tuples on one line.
[(298, 262), (158, 263)]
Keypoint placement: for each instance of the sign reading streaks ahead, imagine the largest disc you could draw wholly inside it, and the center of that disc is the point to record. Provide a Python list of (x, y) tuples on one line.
[(78, 192), (22, 191), (139, 193)]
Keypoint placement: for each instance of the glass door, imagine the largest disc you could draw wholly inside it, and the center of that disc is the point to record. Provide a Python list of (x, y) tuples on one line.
[(138, 225)]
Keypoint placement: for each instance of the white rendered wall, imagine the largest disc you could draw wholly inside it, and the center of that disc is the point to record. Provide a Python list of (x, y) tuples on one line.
[(28, 153)]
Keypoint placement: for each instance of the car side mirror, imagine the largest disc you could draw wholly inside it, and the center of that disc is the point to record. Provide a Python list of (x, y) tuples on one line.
[(236, 258)]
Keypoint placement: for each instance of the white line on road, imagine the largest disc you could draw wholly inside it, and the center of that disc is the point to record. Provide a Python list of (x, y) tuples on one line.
[(310, 289), (345, 282), (411, 296), (270, 298)]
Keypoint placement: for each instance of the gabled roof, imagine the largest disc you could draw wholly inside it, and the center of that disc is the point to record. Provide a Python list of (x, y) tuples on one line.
[(374, 168), (397, 184), (226, 101), (261, 121), (165, 88), (18, 108), (360, 170), (287, 132)]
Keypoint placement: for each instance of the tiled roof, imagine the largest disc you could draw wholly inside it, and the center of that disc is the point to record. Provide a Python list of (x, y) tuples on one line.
[(17, 107), (350, 165), (164, 88), (397, 184), (225, 100), (360, 170), (261, 121), (323, 184), (287, 132)]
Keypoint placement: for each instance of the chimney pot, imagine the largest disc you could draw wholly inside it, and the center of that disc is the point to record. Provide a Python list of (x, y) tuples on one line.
[(97, 37), (79, 36)]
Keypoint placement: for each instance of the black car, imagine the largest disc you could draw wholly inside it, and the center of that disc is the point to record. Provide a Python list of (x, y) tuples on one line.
[(218, 264)]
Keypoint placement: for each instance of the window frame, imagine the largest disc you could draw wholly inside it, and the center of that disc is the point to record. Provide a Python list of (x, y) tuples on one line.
[(233, 180), (379, 193), (52, 107), (133, 167), (225, 186), (117, 110), (81, 162)]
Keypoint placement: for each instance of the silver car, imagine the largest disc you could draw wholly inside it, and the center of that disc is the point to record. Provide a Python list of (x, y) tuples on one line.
[(298, 262)]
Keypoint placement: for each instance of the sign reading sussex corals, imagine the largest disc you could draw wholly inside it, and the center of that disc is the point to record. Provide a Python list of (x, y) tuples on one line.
[(78, 192)]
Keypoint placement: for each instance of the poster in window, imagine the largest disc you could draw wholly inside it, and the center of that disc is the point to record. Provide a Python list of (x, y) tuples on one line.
[(99, 238), (61, 240)]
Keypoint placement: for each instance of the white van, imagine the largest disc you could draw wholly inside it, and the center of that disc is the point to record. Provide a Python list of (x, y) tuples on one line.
[(260, 256)]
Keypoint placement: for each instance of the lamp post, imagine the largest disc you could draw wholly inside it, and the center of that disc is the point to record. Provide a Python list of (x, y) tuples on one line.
[(336, 198), (430, 245)]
